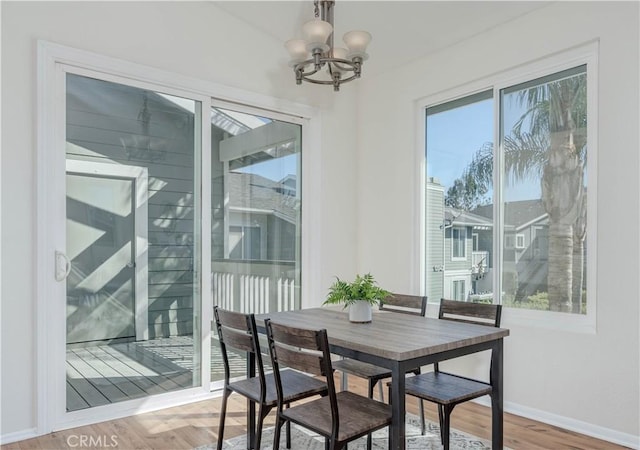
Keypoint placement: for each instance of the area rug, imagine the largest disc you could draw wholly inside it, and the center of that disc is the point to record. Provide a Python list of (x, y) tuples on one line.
[(303, 439)]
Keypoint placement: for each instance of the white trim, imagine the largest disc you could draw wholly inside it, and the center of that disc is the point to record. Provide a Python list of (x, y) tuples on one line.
[(140, 176), (568, 423), (16, 436), (204, 263), (50, 94), (311, 185), (420, 229)]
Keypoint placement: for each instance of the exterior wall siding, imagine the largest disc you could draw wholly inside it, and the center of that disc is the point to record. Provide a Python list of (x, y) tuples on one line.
[(113, 133), (434, 241)]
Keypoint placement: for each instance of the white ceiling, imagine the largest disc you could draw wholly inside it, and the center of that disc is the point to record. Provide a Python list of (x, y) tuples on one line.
[(402, 30)]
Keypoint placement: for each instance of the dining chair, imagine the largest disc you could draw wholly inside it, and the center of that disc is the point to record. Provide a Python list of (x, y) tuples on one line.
[(238, 331), (446, 389), (339, 417), (397, 303)]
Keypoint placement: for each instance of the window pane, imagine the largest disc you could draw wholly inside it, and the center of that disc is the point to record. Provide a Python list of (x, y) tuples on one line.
[(544, 139), (256, 206), (132, 212), (459, 197)]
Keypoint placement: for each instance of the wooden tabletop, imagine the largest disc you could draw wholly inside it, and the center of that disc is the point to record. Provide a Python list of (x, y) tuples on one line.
[(396, 337)]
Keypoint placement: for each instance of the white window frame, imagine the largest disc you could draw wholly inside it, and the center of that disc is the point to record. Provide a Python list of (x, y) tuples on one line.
[(579, 55), (462, 236), (519, 241), (53, 61)]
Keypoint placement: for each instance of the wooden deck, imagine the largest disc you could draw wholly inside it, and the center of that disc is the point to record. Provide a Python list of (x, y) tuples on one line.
[(105, 374)]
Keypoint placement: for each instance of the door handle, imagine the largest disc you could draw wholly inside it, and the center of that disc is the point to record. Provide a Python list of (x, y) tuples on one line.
[(131, 265), (63, 266)]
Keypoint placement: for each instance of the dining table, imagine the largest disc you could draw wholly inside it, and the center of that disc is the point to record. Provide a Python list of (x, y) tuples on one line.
[(400, 343)]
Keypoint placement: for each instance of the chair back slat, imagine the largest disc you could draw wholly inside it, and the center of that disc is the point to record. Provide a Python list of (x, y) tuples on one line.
[(238, 340), (468, 312), (232, 319), (296, 359), (406, 304), (298, 337)]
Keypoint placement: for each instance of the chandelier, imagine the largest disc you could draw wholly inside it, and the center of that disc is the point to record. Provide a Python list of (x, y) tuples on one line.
[(316, 52)]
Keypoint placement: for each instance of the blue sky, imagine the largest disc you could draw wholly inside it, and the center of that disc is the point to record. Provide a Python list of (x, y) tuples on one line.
[(454, 136)]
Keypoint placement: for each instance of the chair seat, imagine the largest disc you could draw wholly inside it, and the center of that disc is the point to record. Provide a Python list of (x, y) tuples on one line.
[(445, 388), (364, 370), (295, 386), (358, 415), (361, 369)]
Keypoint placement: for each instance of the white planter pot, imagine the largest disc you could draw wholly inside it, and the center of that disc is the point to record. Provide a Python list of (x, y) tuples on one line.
[(360, 312)]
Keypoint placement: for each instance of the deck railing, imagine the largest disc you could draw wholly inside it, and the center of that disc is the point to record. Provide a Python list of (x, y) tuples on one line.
[(255, 286)]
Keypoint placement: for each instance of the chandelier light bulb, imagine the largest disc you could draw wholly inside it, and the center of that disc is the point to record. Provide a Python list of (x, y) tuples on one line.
[(340, 53), (357, 42), (316, 32), (297, 49)]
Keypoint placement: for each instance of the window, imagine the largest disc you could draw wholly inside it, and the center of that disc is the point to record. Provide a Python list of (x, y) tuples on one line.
[(509, 241), (244, 242), (458, 242), (544, 138), (457, 290), (540, 195), (519, 241), (456, 132)]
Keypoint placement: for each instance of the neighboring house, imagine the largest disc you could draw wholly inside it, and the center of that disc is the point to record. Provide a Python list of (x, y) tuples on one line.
[(526, 246), (459, 245), (262, 217)]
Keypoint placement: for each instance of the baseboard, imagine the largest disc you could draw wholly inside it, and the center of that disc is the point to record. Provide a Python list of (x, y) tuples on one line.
[(16, 436), (567, 423)]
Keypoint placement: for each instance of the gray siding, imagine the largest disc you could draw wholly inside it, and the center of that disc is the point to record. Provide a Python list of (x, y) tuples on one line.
[(106, 123), (434, 241)]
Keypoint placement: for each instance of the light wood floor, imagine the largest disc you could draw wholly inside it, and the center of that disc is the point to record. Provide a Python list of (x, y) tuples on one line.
[(189, 426)]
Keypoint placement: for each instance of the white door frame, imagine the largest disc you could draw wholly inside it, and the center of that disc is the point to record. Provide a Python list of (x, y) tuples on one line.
[(54, 63), (140, 177)]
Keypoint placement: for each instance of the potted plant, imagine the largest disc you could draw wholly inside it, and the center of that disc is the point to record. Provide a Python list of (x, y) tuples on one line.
[(359, 295)]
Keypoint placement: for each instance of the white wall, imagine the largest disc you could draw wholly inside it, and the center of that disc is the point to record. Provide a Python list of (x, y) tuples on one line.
[(589, 381), (196, 39)]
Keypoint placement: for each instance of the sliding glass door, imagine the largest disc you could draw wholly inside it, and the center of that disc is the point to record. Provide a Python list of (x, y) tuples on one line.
[(255, 215)]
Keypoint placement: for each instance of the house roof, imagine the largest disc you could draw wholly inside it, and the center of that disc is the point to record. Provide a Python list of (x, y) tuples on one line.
[(458, 217), (518, 214), (257, 194)]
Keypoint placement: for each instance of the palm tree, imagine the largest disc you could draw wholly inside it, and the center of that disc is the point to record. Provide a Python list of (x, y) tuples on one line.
[(553, 150)]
